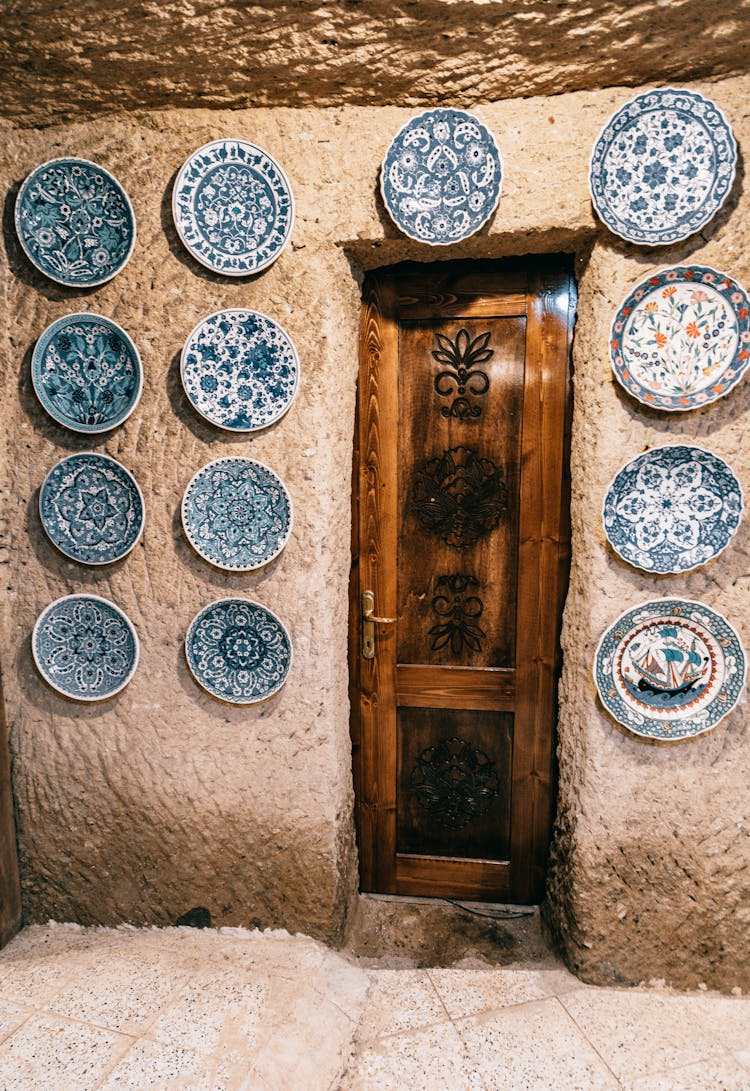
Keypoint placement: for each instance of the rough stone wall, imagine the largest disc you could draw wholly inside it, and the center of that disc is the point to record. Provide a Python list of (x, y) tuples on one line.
[(163, 799), (65, 60)]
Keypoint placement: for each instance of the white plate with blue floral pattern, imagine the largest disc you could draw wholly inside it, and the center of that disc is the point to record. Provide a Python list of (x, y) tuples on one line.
[(233, 207), (237, 514), (441, 176), (672, 509), (91, 508), (87, 373), (240, 370), (238, 651), (662, 166), (85, 647), (75, 222), (681, 338), (670, 669)]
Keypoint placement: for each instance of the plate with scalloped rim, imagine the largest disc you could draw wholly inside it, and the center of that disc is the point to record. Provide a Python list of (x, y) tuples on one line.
[(91, 508), (75, 222), (233, 207), (681, 338), (240, 370), (87, 373), (441, 176), (670, 669), (662, 166), (85, 647), (237, 514), (672, 508), (238, 651)]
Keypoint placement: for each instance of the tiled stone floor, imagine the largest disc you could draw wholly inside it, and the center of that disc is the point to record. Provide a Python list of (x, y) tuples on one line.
[(228, 1009)]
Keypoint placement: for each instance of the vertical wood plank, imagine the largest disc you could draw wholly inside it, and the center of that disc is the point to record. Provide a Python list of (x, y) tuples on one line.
[(10, 891)]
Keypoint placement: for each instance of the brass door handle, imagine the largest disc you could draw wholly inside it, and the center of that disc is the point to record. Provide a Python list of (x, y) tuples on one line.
[(369, 620)]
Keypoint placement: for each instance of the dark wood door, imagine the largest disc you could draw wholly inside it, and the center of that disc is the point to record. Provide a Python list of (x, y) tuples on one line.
[(461, 536)]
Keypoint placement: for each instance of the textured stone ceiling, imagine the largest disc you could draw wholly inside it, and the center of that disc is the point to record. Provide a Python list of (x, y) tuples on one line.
[(66, 60)]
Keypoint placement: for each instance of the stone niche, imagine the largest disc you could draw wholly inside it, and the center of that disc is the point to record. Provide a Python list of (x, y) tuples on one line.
[(164, 799)]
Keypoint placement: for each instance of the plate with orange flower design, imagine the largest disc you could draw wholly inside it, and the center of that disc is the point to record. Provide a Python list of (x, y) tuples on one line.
[(681, 338)]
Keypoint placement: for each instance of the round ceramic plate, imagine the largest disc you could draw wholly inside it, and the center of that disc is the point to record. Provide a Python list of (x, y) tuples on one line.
[(237, 514), (85, 647), (662, 166), (75, 222), (87, 373), (681, 339), (233, 207), (238, 651), (670, 669), (672, 509), (91, 508), (240, 370), (441, 176)]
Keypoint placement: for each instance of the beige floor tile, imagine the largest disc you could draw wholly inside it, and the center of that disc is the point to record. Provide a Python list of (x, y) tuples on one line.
[(743, 1056), (151, 1065), (724, 1074), (51, 1054), (11, 1017), (535, 1045), (214, 1013), (399, 1000), (467, 992), (638, 1032), (120, 992), (727, 1018), (430, 1059)]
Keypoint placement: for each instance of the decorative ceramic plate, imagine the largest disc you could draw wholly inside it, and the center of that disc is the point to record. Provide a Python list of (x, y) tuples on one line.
[(233, 207), (672, 509), (87, 373), (662, 166), (237, 514), (240, 370), (85, 647), (441, 176), (681, 339), (238, 651), (91, 508), (75, 222), (670, 669)]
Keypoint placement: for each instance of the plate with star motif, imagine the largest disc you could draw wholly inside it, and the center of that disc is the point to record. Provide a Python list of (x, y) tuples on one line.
[(85, 647), (233, 207), (75, 222), (237, 514), (681, 338), (670, 669), (87, 373), (238, 651), (240, 370), (91, 508), (441, 176), (662, 166), (672, 509)]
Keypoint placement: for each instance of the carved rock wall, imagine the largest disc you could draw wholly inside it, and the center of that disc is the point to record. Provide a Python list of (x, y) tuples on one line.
[(163, 799)]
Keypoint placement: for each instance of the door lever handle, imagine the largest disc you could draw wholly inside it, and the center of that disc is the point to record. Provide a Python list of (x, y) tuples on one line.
[(369, 620)]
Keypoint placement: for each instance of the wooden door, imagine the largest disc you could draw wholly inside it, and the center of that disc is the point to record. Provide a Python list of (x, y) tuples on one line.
[(461, 534)]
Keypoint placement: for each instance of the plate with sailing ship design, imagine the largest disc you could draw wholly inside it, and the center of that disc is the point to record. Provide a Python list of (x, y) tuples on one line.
[(670, 669)]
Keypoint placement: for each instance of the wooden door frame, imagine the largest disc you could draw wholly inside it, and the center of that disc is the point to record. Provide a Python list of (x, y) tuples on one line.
[(10, 889), (548, 552)]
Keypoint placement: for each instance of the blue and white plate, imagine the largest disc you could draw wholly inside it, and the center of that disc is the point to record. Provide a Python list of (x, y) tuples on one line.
[(85, 647), (238, 651), (91, 508), (662, 166), (672, 509), (237, 514), (681, 338), (240, 370), (87, 373), (441, 176), (670, 669), (75, 222), (233, 207)]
